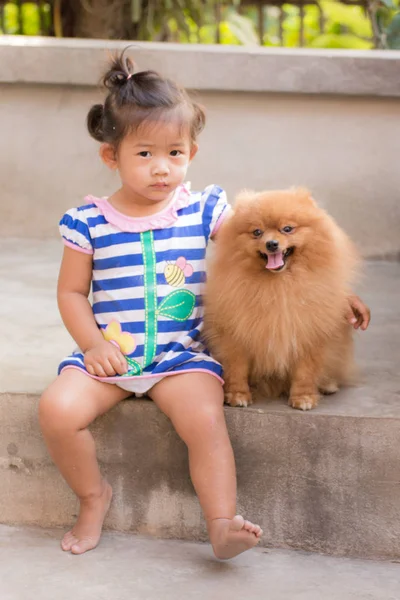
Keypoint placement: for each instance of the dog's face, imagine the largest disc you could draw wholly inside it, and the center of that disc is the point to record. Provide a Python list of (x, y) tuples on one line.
[(275, 227)]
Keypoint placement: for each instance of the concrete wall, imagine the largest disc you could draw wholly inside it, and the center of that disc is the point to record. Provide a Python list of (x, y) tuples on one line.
[(330, 121)]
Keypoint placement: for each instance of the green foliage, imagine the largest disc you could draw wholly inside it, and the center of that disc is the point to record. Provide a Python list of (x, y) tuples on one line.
[(242, 28), (350, 18), (344, 41), (194, 21), (344, 26), (11, 24), (385, 16), (393, 33), (234, 29), (30, 18)]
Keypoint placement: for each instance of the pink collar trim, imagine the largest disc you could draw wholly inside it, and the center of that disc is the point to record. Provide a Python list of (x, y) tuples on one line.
[(161, 220)]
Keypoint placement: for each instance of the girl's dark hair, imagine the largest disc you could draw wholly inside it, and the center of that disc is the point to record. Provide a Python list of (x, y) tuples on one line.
[(135, 97)]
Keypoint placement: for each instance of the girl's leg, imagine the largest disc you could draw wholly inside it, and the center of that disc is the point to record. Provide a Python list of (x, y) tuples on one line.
[(194, 403), (66, 408)]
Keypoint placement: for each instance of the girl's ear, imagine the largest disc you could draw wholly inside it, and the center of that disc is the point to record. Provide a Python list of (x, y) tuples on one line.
[(109, 156), (193, 151)]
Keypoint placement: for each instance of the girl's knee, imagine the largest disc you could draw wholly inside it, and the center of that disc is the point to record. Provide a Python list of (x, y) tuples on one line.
[(58, 411), (206, 420), (210, 414)]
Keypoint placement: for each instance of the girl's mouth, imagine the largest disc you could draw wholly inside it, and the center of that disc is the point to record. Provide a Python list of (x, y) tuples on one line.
[(160, 185)]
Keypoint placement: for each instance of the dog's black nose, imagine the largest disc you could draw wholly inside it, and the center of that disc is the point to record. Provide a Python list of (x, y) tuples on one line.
[(272, 245)]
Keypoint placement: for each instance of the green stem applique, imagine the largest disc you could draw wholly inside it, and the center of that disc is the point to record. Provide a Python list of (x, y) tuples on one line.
[(150, 297), (135, 368), (178, 305)]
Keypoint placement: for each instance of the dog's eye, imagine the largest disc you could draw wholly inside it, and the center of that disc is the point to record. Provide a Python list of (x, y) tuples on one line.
[(287, 229), (257, 233)]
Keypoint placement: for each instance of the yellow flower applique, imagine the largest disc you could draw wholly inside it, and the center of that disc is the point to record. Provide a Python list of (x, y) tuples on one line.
[(125, 341)]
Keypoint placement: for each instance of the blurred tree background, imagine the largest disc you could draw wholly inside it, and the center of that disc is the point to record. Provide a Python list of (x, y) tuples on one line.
[(359, 24)]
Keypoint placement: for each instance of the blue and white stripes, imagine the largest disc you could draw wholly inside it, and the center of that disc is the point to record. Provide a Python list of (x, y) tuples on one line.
[(122, 289)]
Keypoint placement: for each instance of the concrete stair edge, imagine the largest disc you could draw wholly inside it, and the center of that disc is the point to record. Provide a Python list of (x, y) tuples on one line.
[(317, 482)]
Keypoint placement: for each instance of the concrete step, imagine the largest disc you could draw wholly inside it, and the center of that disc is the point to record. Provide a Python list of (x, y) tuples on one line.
[(128, 567), (324, 481)]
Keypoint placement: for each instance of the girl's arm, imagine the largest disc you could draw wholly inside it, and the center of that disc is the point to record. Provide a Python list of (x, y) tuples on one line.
[(73, 289), (101, 357)]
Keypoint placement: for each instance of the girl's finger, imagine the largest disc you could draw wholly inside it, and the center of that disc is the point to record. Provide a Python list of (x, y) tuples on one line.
[(99, 371), (362, 311), (350, 316), (119, 363), (366, 319), (90, 369), (123, 363), (108, 367)]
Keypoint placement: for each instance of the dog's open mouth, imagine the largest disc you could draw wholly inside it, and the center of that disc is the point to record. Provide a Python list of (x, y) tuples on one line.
[(277, 261)]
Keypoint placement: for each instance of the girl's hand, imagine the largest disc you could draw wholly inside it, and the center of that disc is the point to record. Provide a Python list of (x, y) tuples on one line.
[(105, 360), (358, 314)]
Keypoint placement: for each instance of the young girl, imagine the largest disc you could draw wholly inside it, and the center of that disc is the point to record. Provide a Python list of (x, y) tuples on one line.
[(142, 252)]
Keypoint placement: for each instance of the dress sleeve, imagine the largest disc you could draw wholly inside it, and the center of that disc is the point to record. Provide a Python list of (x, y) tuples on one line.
[(75, 232), (215, 209)]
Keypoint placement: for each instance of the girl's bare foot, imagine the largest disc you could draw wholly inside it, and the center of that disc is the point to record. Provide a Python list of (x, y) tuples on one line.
[(85, 534), (230, 537)]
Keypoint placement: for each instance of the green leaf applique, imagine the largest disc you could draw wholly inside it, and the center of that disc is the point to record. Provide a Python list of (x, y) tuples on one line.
[(177, 305)]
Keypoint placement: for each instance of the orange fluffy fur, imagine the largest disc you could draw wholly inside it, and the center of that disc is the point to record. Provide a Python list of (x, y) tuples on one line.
[(285, 329)]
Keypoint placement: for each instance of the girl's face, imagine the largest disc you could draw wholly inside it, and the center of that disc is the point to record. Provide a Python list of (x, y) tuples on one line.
[(153, 161)]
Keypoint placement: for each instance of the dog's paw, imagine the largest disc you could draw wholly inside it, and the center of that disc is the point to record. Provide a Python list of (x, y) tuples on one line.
[(306, 402), (328, 387), (238, 398)]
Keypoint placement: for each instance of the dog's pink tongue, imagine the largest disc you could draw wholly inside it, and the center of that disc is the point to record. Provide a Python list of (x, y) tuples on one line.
[(274, 261)]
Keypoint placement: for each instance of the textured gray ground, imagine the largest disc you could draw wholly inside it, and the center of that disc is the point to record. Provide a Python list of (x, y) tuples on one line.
[(126, 567)]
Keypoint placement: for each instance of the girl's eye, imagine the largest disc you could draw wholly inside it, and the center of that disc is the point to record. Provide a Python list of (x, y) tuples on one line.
[(175, 153), (145, 153), (257, 233), (287, 229)]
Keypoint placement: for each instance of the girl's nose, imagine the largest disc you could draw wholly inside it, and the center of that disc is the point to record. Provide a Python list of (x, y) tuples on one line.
[(160, 168)]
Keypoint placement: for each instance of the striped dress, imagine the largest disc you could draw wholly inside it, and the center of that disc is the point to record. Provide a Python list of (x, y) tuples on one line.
[(147, 283)]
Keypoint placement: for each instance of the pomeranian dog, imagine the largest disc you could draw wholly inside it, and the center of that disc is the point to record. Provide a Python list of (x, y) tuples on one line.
[(276, 299)]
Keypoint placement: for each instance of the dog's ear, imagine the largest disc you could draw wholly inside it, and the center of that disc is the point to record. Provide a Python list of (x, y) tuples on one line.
[(304, 196), (243, 199)]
